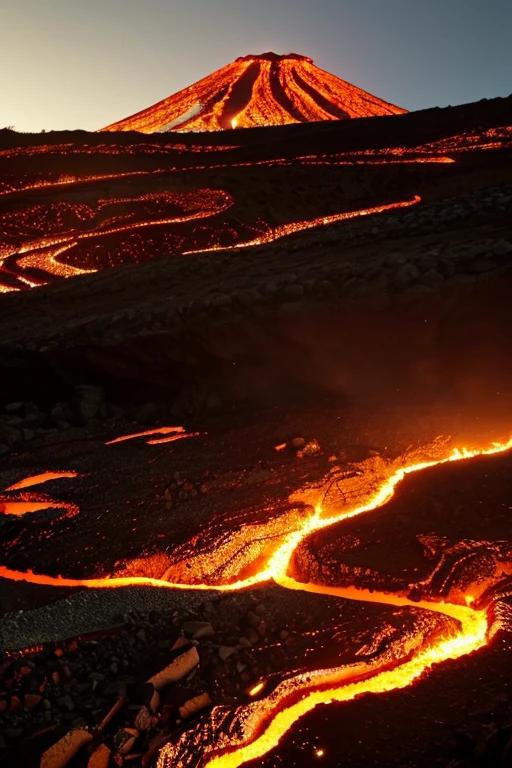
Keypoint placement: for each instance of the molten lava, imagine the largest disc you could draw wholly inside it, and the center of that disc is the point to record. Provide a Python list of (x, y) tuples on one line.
[(263, 721), (258, 91), (28, 482), (276, 233), (62, 225), (175, 431), (48, 245)]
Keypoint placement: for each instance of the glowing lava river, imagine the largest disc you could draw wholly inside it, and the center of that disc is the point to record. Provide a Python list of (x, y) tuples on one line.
[(446, 614)]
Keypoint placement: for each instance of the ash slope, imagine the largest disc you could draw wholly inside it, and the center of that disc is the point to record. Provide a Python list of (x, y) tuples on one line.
[(261, 90)]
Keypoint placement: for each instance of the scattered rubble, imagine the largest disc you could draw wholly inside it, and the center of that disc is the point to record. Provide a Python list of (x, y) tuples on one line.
[(97, 701)]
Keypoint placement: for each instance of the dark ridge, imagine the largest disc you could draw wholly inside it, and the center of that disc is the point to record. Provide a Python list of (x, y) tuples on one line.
[(332, 109), (407, 130), (240, 94), (280, 96)]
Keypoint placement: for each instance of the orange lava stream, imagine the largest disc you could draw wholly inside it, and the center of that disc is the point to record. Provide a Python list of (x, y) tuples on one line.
[(18, 508), (42, 253), (383, 161), (337, 685), (178, 431), (159, 116), (262, 108), (28, 482), (363, 157), (47, 261), (265, 721), (50, 185), (304, 103), (354, 101), (172, 438), (300, 226), (277, 564), (219, 107)]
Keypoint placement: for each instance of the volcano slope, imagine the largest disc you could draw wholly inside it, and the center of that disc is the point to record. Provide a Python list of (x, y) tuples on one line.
[(265, 89), (308, 358)]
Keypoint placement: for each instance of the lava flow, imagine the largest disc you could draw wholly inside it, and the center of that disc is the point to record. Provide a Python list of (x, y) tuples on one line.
[(276, 233), (261, 90), (265, 721), (59, 225), (262, 722), (114, 219), (176, 433)]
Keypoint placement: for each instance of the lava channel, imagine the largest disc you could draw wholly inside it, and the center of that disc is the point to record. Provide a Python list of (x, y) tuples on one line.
[(262, 723)]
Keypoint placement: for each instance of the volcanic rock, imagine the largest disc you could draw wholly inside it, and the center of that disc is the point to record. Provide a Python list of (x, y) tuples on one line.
[(100, 757), (195, 705), (501, 248), (405, 275), (225, 651), (177, 669), (87, 401), (61, 753), (31, 701)]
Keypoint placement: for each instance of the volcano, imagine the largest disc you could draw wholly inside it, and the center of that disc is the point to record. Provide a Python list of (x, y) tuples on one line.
[(261, 90)]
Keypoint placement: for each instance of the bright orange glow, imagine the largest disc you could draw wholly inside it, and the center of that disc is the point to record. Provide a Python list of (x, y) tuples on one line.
[(51, 253), (27, 482), (54, 237), (277, 564), (68, 239), (265, 720), (179, 431), (300, 226), (19, 508), (172, 438), (337, 685), (257, 689), (46, 259), (47, 251), (271, 90)]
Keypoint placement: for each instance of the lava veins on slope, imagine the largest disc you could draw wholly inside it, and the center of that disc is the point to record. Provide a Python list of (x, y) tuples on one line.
[(442, 515), (266, 89)]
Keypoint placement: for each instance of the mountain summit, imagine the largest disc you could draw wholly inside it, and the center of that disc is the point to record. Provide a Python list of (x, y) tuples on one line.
[(267, 89)]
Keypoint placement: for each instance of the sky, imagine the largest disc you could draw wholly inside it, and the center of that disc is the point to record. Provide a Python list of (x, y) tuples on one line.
[(87, 63)]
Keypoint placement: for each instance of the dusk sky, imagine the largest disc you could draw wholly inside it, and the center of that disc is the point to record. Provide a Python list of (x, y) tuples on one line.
[(87, 63)]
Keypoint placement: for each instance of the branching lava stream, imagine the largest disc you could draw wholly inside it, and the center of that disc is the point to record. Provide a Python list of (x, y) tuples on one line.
[(262, 722)]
